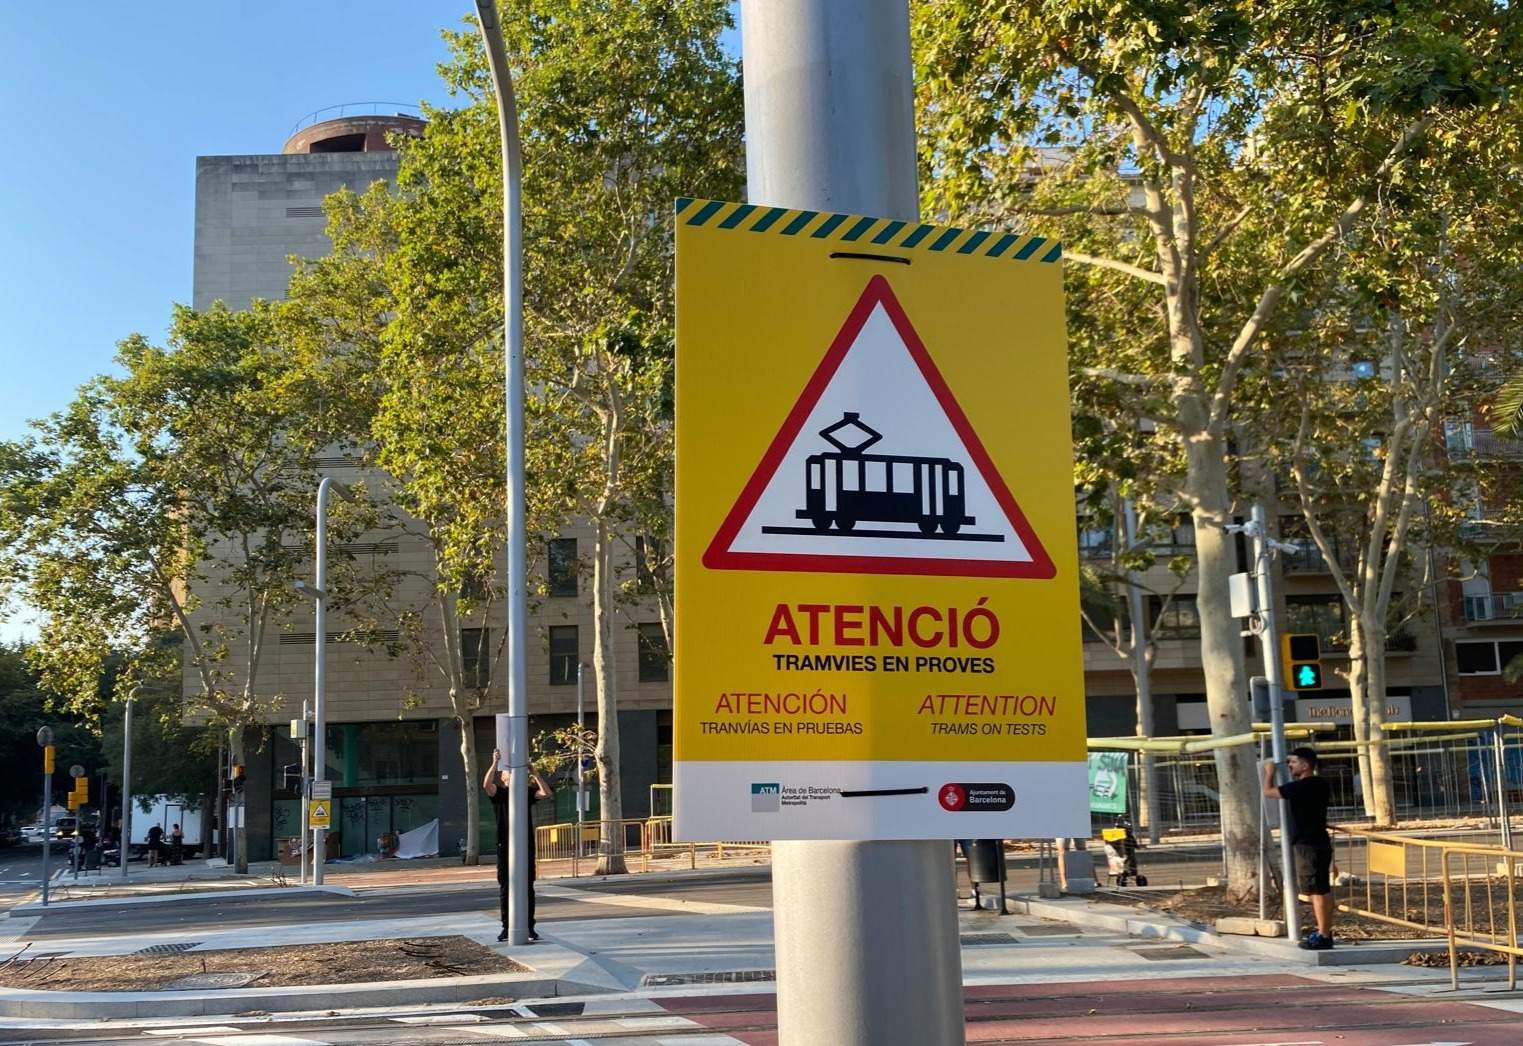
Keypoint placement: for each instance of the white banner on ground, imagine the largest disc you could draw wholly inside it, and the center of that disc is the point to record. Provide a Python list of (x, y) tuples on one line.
[(422, 841)]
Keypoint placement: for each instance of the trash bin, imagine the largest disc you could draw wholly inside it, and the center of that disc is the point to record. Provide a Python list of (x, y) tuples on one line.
[(986, 864)]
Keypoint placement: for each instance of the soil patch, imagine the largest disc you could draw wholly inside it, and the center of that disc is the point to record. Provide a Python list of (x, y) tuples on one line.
[(347, 962)]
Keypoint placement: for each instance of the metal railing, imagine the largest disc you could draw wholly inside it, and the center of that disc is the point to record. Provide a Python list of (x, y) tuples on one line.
[(639, 844), (1494, 606), (1465, 892), (335, 112)]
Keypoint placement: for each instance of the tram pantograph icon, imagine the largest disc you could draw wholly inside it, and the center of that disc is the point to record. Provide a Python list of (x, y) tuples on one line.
[(848, 487)]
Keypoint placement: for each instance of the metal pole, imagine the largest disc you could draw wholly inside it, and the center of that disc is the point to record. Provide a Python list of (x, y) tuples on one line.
[(125, 842), (581, 726), (518, 613), (1269, 644), (1143, 672), (319, 672), (304, 847), (1263, 854), (865, 932), (47, 833), (1503, 816)]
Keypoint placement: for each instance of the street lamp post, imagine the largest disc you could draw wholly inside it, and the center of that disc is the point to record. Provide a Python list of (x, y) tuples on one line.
[(124, 843), (512, 293), (318, 591)]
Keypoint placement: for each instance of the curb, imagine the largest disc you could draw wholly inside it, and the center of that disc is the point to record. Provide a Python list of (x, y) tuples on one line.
[(1117, 919), (36, 907), (15, 1002)]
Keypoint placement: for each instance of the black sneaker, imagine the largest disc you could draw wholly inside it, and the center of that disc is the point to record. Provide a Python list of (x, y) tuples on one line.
[(533, 936), (1316, 942), (503, 935)]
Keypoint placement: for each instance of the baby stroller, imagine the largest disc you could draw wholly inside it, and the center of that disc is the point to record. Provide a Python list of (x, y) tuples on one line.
[(1121, 854)]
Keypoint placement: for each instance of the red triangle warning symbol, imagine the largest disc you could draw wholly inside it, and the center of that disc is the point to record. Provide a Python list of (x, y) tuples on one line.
[(876, 470)]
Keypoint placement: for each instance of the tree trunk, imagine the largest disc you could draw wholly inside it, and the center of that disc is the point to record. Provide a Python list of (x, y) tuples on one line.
[(472, 791), (611, 838), (235, 741), (1379, 782), (1359, 711), (1221, 654)]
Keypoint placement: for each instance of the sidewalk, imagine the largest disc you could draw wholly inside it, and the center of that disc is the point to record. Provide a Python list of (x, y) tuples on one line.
[(650, 943)]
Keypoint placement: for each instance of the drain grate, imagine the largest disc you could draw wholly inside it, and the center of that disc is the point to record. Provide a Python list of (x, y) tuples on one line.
[(1178, 951), (556, 1009), (987, 938), (1049, 931), (167, 949), (660, 980)]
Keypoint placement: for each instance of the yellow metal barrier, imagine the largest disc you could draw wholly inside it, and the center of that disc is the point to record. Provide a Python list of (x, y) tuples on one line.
[(637, 841), (1465, 892)]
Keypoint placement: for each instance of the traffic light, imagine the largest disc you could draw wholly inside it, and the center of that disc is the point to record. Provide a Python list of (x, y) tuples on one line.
[(1301, 659)]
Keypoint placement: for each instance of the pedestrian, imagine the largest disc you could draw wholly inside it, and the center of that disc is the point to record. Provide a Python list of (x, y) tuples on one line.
[(498, 786), (1307, 796), (155, 844), (176, 845)]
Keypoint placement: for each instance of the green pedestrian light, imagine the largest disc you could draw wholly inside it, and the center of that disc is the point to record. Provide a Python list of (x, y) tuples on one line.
[(1301, 661)]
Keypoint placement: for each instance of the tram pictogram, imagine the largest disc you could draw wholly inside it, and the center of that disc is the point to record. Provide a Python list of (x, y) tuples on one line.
[(848, 486)]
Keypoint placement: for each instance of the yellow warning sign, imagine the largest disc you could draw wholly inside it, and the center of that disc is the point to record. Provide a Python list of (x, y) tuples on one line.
[(878, 630), (318, 813)]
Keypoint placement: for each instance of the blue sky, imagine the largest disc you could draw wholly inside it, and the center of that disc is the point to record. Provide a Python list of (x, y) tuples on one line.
[(108, 107)]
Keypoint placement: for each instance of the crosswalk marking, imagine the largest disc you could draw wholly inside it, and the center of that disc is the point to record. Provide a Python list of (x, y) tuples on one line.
[(187, 1032), (259, 1040)]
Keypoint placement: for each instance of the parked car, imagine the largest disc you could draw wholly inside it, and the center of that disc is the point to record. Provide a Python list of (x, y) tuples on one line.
[(11, 836), (32, 834)]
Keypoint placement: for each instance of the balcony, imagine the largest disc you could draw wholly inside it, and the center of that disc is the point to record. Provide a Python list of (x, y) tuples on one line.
[(1504, 607), (1306, 559), (1466, 443)]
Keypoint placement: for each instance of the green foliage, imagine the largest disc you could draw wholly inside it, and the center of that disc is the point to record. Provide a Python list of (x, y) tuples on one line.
[(175, 498), (24, 708)]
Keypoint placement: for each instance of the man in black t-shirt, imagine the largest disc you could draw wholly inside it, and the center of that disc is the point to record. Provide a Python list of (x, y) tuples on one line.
[(1307, 795), (498, 786)]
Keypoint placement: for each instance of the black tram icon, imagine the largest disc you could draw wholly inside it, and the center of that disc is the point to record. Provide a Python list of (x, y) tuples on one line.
[(848, 486)]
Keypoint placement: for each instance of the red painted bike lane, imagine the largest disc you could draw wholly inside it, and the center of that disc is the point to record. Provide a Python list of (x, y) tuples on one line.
[(1195, 1011)]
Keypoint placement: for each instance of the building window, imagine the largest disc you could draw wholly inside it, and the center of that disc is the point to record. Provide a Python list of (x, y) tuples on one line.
[(562, 566), (1178, 620), (1323, 616), (476, 657), (655, 661), (1487, 658), (564, 654)]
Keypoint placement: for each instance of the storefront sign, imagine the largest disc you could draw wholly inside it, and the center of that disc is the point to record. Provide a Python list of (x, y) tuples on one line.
[(1341, 709), (877, 584)]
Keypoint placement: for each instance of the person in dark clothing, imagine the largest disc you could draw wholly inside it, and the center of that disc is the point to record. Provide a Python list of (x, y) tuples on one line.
[(1307, 796), (498, 788), (155, 845)]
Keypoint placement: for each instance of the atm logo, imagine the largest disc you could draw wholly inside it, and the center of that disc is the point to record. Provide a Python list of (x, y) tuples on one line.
[(766, 797)]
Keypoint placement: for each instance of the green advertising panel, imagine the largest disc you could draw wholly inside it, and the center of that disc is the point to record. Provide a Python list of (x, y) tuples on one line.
[(1107, 782)]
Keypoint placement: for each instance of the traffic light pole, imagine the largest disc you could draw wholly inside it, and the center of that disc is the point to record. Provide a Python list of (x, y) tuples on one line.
[(865, 932), (1269, 646)]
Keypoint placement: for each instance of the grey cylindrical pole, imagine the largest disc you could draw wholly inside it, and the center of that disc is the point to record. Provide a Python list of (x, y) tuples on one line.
[(518, 612), (125, 842), (1269, 640), (47, 834), (866, 932), (581, 725), (319, 672), (304, 849), (1143, 671)]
